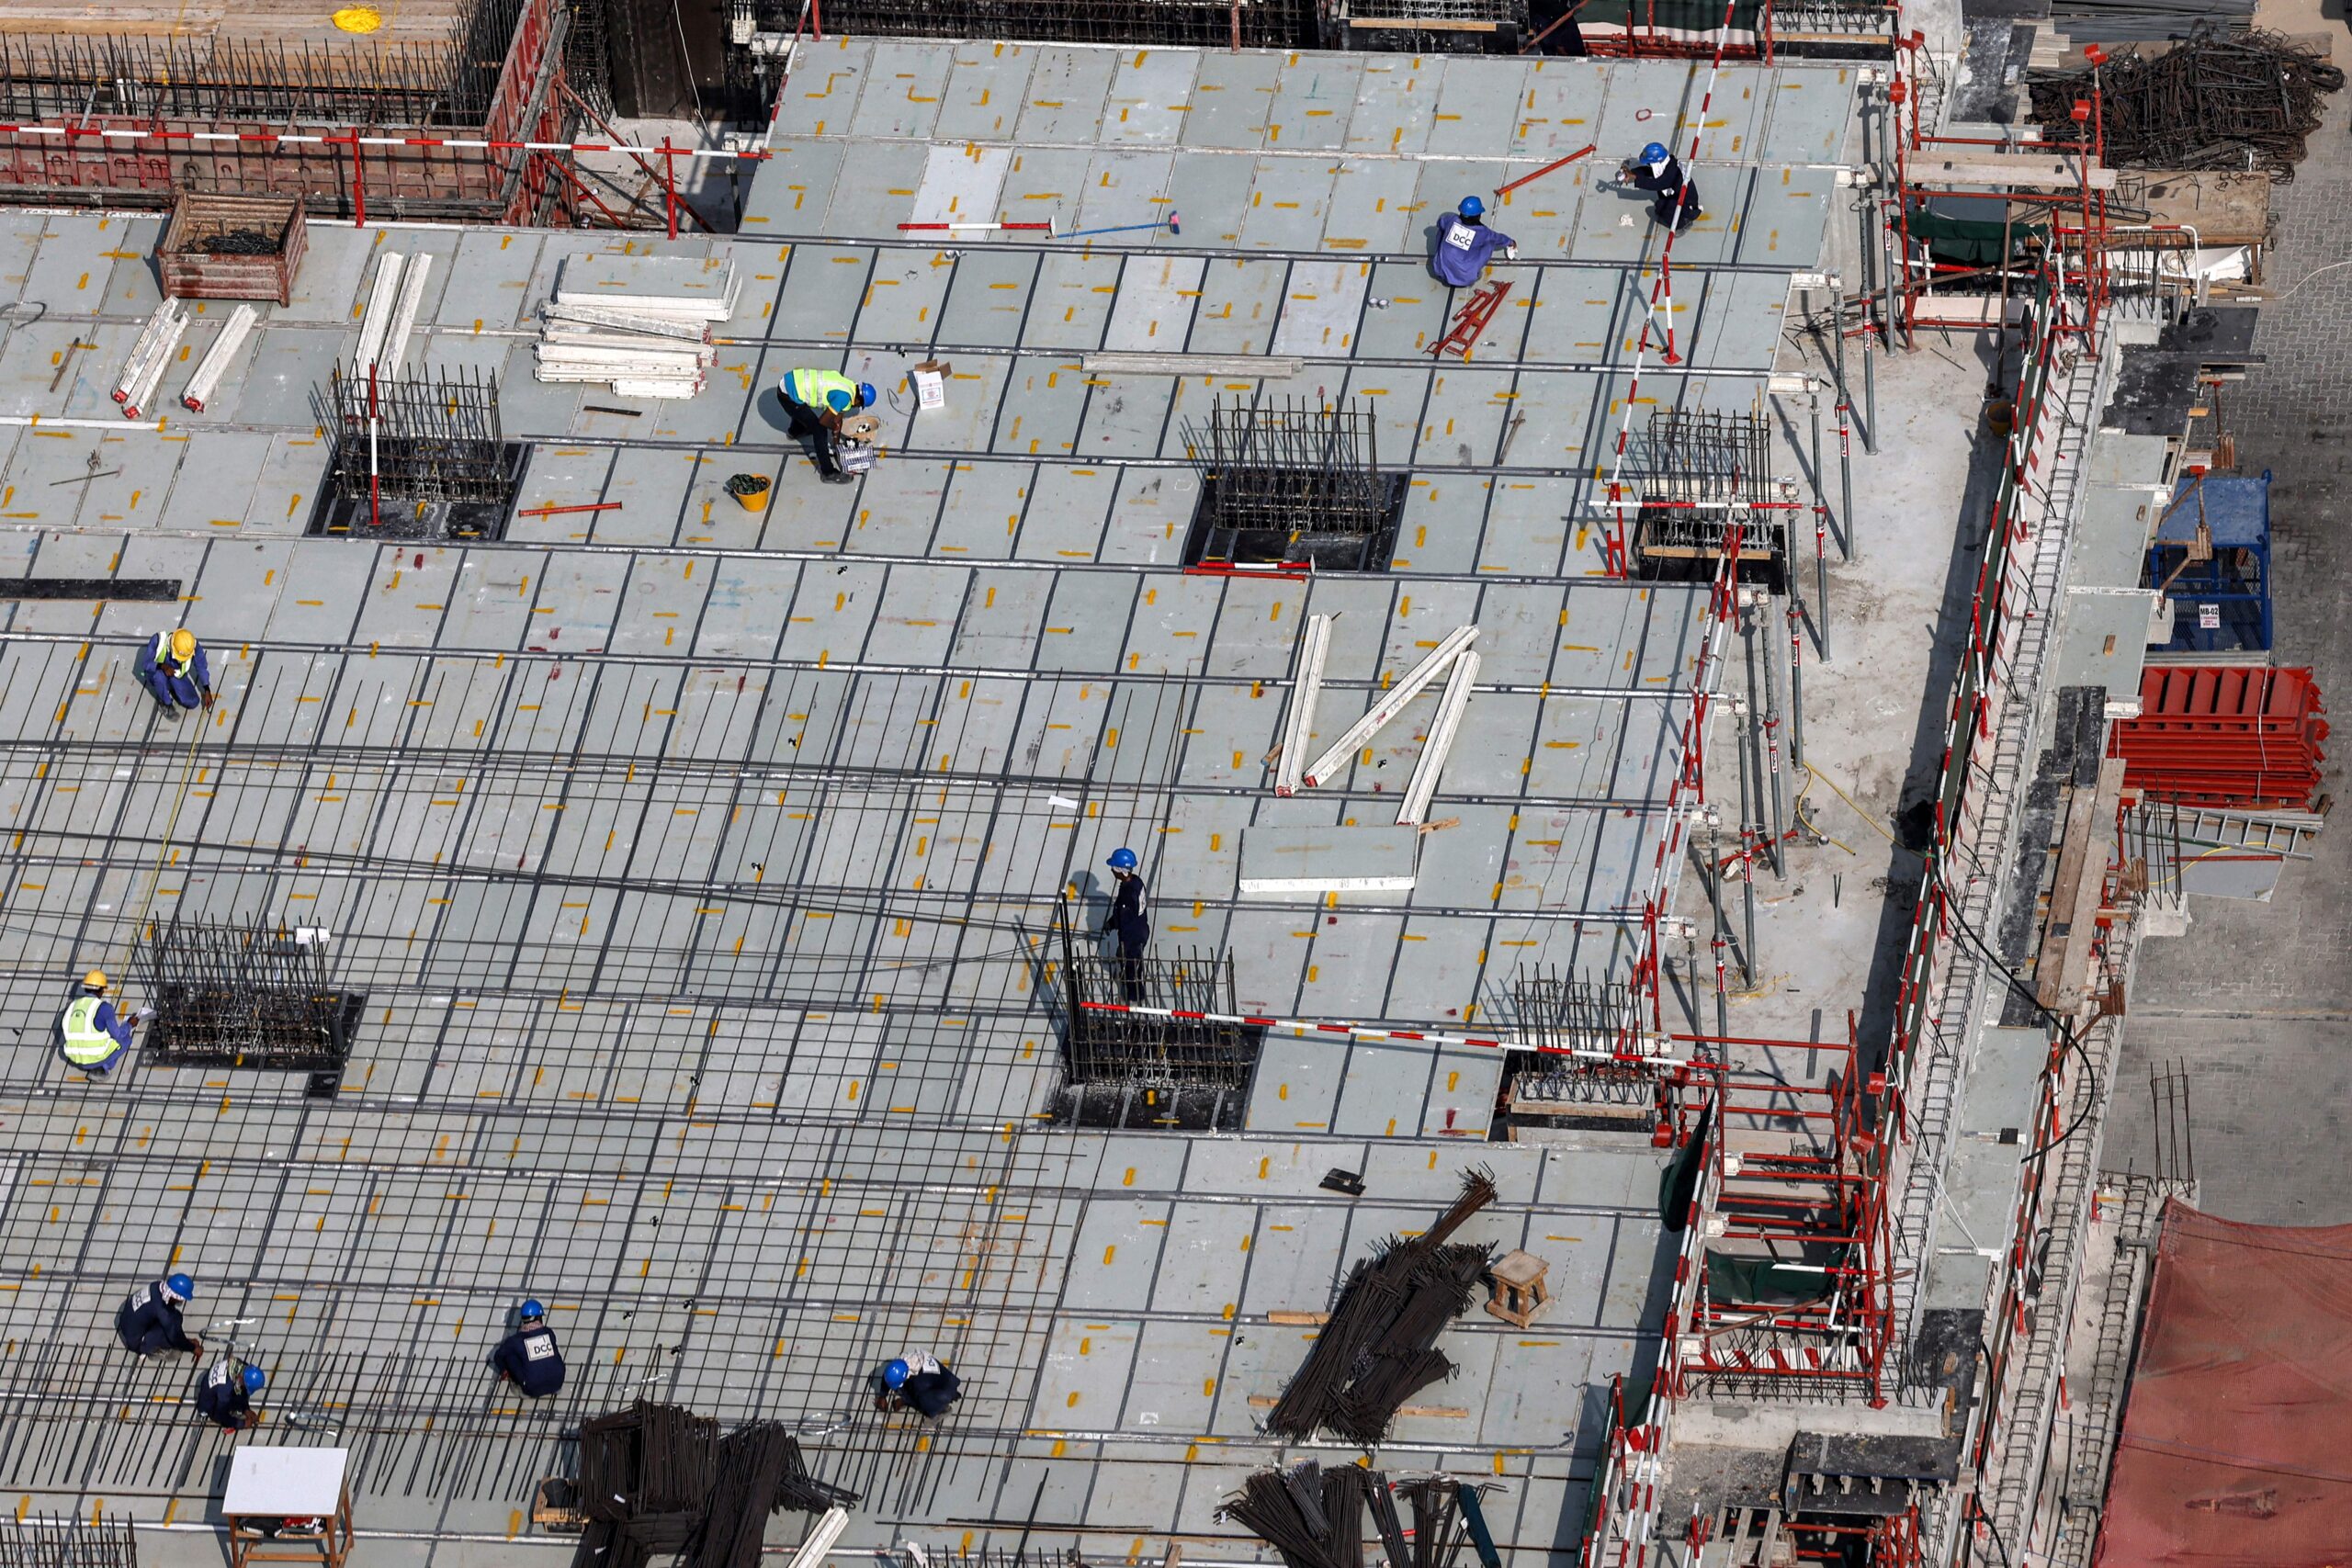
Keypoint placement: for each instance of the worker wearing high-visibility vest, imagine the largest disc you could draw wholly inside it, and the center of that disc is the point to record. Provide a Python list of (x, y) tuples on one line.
[(171, 665), (817, 402), (91, 1035)]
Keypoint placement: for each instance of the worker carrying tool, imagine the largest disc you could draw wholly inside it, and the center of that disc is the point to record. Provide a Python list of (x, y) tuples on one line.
[(1129, 920), (225, 1394), (528, 1357), (1659, 171), (91, 1034), (1465, 245), (823, 406), (171, 665), (917, 1382), (150, 1320)]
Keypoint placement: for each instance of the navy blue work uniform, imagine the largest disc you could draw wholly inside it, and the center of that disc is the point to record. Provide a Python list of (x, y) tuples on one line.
[(177, 685), (1134, 929), (221, 1395), (1464, 248), (529, 1358), (149, 1321), (1677, 206), (931, 1393)]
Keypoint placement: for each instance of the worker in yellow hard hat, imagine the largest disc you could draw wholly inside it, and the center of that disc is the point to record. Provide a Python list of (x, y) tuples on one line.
[(91, 1035), (171, 664)]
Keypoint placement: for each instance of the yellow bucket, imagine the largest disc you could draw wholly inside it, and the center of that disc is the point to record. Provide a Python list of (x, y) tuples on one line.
[(750, 490)]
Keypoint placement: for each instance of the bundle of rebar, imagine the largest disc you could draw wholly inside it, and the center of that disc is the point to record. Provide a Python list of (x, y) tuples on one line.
[(1312, 1517), (660, 1479), (1438, 1533), (2210, 101), (1379, 1347)]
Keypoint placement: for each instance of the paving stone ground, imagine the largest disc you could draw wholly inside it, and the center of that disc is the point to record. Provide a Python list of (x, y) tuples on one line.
[(2257, 999)]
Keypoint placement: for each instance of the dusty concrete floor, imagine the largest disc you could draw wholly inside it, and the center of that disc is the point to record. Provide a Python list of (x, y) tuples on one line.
[(2255, 999)]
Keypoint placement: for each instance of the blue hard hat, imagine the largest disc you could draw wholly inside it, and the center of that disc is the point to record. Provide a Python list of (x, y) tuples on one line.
[(1471, 207), (181, 1286), (254, 1380), (894, 1373), (1124, 859), (1655, 152), (866, 396), (531, 1310)]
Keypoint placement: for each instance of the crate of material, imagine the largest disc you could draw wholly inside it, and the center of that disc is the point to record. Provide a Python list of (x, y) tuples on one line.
[(232, 247)]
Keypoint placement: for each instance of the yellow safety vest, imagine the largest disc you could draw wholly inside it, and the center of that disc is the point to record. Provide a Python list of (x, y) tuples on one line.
[(815, 387), (85, 1044)]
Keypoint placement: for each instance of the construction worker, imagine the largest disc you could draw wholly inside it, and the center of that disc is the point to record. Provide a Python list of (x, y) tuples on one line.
[(1659, 171), (1130, 920), (171, 665), (150, 1320), (527, 1358), (1464, 243), (225, 1394), (818, 401), (91, 1034), (917, 1381)]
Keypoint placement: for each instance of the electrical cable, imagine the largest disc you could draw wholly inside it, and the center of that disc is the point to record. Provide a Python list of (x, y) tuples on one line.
[(2065, 1030)]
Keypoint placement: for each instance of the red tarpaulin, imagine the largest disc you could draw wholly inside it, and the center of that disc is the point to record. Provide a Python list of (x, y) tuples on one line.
[(2237, 1436)]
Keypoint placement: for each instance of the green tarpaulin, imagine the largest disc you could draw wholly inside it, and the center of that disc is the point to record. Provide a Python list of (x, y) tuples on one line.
[(1968, 242)]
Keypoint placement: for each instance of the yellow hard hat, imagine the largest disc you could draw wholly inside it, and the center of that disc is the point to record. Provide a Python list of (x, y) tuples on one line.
[(183, 645), (95, 979)]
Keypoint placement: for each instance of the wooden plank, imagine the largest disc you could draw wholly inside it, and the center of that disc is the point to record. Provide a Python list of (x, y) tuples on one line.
[(1431, 25), (1299, 1319), (1998, 169), (2061, 975)]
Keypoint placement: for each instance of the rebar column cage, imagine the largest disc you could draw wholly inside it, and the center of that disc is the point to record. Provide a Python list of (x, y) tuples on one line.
[(1291, 482), (1696, 474), (41, 1541), (258, 996), (1790, 1298), (414, 439), (1248, 24), (1143, 1068), (1553, 1013)]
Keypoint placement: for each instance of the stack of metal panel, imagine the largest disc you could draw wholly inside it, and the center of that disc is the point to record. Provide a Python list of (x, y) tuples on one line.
[(639, 324)]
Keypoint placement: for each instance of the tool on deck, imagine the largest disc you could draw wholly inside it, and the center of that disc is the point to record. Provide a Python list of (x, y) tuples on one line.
[(1168, 223), (1470, 321)]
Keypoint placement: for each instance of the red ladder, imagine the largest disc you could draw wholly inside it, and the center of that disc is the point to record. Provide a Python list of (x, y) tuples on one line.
[(1470, 321)]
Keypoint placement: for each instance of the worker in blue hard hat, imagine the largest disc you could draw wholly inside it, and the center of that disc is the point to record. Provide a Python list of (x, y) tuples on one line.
[(1130, 920), (171, 665), (225, 1394), (150, 1320), (1465, 243), (918, 1381), (820, 403), (528, 1357), (1660, 172), (92, 1032)]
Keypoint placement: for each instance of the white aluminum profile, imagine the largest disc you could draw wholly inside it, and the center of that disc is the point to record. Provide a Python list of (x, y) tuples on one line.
[(404, 317), (148, 348), (215, 362), (382, 300), (1328, 764), (140, 394), (1441, 740), (627, 320), (821, 1537), (1298, 724)]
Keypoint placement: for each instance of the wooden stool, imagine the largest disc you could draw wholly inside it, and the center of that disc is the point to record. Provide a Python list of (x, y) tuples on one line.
[(1519, 1290)]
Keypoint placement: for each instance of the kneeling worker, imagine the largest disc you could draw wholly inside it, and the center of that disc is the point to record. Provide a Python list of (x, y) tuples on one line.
[(91, 1035), (918, 1380), (149, 1321), (172, 666), (818, 401), (527, 1358), (225, 1396)]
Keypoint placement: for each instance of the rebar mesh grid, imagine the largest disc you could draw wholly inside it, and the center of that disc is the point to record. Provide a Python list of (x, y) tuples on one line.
[(1696, 457), (419, 438), (1556, 1013), (1290, 467), (1259, 24), (389, 83), (1507, 13)]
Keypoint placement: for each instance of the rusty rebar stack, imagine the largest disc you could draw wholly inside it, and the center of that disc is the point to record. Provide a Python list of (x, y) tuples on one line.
[(2209, 102)]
